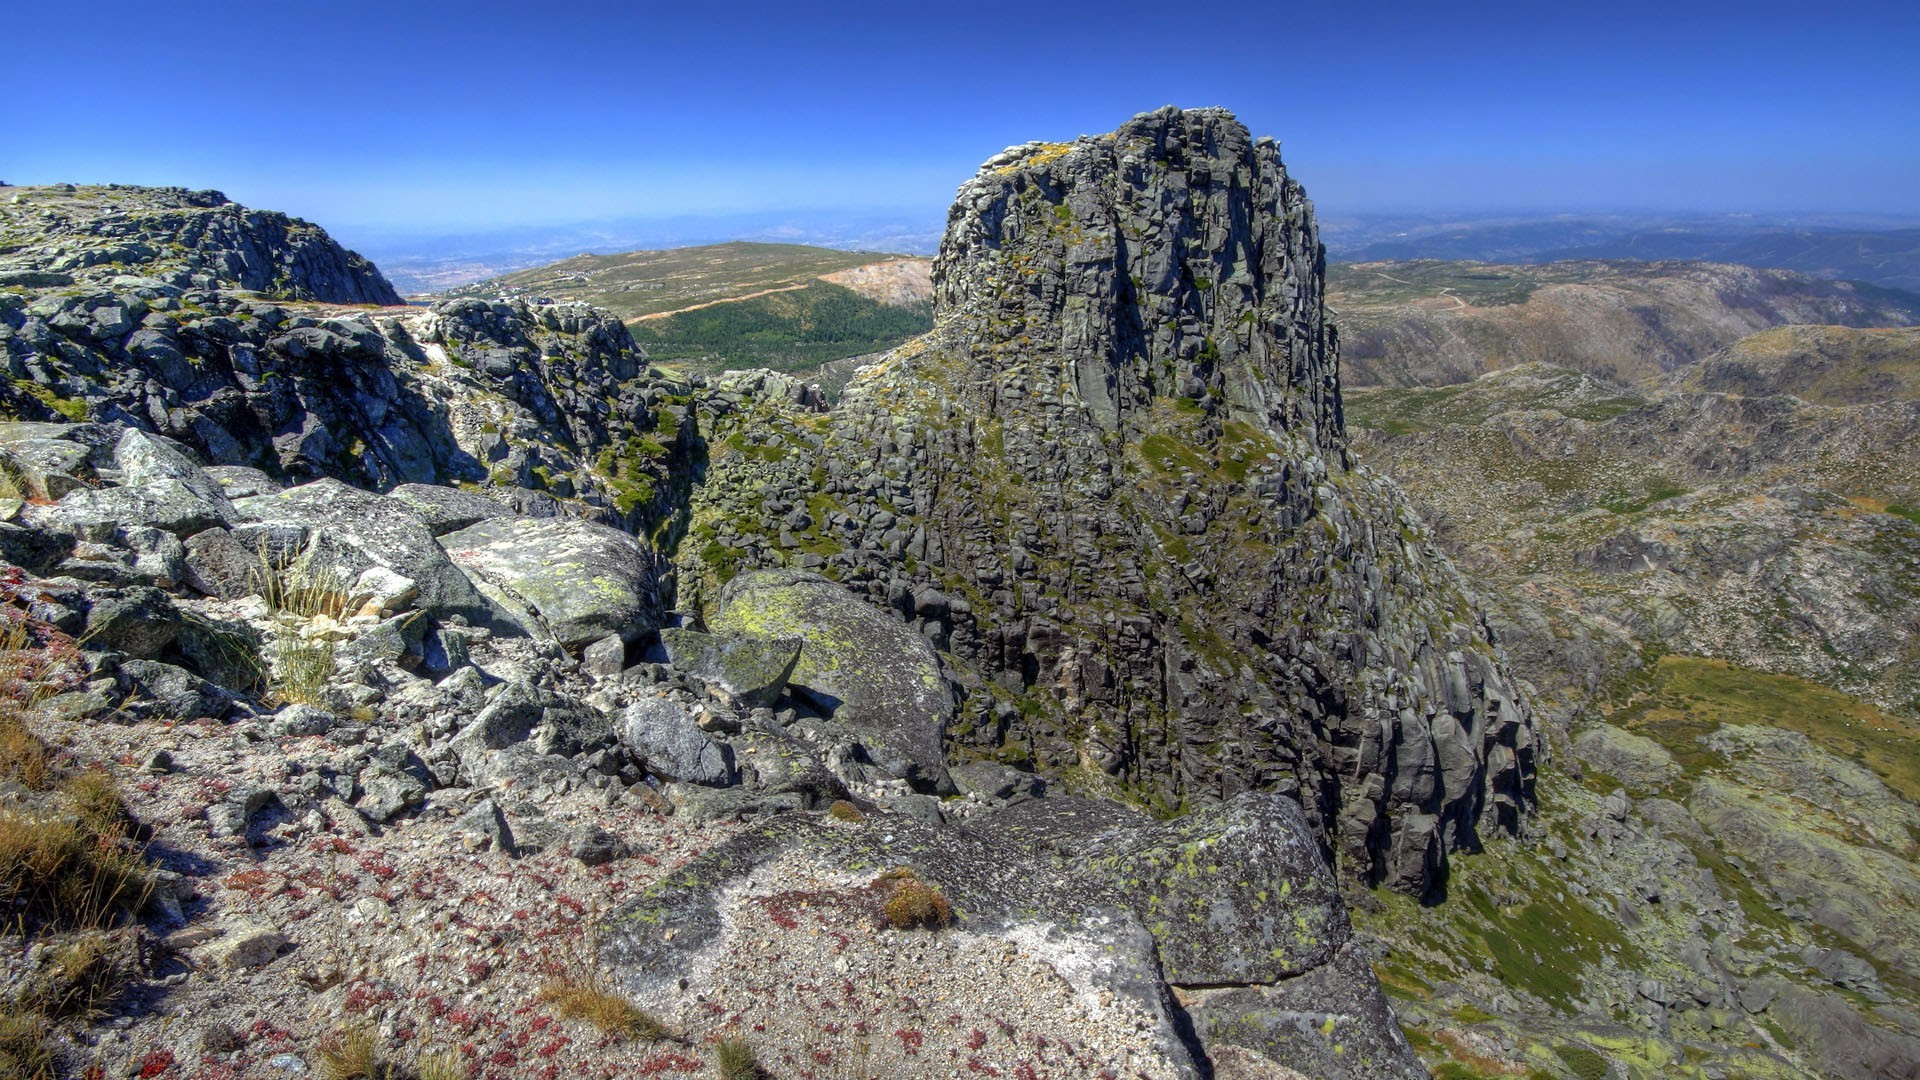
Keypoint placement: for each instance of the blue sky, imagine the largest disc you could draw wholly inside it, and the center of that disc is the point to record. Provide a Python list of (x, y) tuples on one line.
[(452, 116)]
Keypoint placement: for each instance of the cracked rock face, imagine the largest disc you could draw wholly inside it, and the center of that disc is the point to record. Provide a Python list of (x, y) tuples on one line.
[(1112, 487)]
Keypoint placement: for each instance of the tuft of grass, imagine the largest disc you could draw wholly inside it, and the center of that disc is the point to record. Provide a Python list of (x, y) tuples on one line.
[(301, 668), (95, 799), (609, 1012), (23, 757), (445, 1065), (24, 1052), (57, 872), (352, 1054), (735, 1060), (297, 587), (82, 977), (842, 810), (915, 903)]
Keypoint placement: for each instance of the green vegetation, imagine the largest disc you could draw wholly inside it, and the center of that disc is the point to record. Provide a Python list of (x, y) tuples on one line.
[(735, 1060), (1368, 284), (576, 999), (797, 330), (1682, 699), (637, 283), (1400, 411)]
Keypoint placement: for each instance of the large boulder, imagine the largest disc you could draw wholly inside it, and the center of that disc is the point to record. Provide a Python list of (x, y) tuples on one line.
[(873, 672), (1247, 919), (802, 893), (1237, 893), (447, 509), (755, 670), (577, 581), (664, 737), (147, 459), (351, 531)]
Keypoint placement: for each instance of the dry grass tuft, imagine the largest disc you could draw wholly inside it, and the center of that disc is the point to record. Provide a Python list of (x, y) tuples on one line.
[(95, 799), (23, 757), (446, 1065), (842, 810), (914, 903), (735, 1060), (301, 668), (83, 976), (352, 1054), (609, 1012), (56, 872), (24, 1052)]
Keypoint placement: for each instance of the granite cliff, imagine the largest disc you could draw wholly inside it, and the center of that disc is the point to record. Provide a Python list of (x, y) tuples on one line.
[(1113, 487)]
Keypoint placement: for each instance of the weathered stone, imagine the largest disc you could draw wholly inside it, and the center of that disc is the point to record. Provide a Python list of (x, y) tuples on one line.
[(752, 669), (388, 792), (47, 468), (135, 620), (352, 531), (446, 509), (244, 943), (218, 565), (873, 673), (663, 736), (605, 658), (579, 581)]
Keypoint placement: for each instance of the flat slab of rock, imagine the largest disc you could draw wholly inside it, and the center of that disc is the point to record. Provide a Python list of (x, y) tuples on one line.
[(878, 677), (753, 669), (580, 581)]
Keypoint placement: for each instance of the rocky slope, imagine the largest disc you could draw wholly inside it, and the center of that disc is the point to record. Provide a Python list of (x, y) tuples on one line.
[(1438, 323), (1129, 410), (319, 591), (1708, 578)]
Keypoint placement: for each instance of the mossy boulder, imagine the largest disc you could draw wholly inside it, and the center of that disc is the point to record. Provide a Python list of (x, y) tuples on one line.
[(1234, 894), (871, 671), (753, 669), (578, 581)]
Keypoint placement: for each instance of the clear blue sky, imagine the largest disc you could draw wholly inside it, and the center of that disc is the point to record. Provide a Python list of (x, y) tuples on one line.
[(449, 116)]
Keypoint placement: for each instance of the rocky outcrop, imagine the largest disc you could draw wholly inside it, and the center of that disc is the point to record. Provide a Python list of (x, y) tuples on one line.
[(1236, 902), (1112, 487), (192, 239)]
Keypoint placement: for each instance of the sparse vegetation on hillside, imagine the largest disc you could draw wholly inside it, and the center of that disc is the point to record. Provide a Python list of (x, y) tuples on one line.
[(638, 283), (789, 331)]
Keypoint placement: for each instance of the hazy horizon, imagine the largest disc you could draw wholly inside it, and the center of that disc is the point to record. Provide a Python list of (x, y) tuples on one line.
[(441, 118)]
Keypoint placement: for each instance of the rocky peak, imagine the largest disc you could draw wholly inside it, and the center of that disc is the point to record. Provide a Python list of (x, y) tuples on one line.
[(1172, 257), (1111, 488), (64, 235)]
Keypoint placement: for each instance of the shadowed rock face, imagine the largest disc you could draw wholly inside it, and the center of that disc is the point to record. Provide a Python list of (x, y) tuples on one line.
[(1112, 486)]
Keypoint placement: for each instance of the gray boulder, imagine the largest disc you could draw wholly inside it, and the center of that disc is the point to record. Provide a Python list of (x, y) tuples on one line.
[(95, 513), (353, 530), (665, 738), (576, 581), (874, 674), (753, 669), (47, 468), (146, 459), (446, 509)]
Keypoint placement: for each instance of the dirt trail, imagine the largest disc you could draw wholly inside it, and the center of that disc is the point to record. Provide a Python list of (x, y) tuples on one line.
[(722, 300)]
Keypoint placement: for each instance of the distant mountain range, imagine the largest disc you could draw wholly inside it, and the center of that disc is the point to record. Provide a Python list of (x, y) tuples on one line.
[(1881, 251), (420, 263)]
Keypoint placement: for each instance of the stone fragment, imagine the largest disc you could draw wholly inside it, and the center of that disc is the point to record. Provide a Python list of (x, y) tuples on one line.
[(244, 943), (665, 738)]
